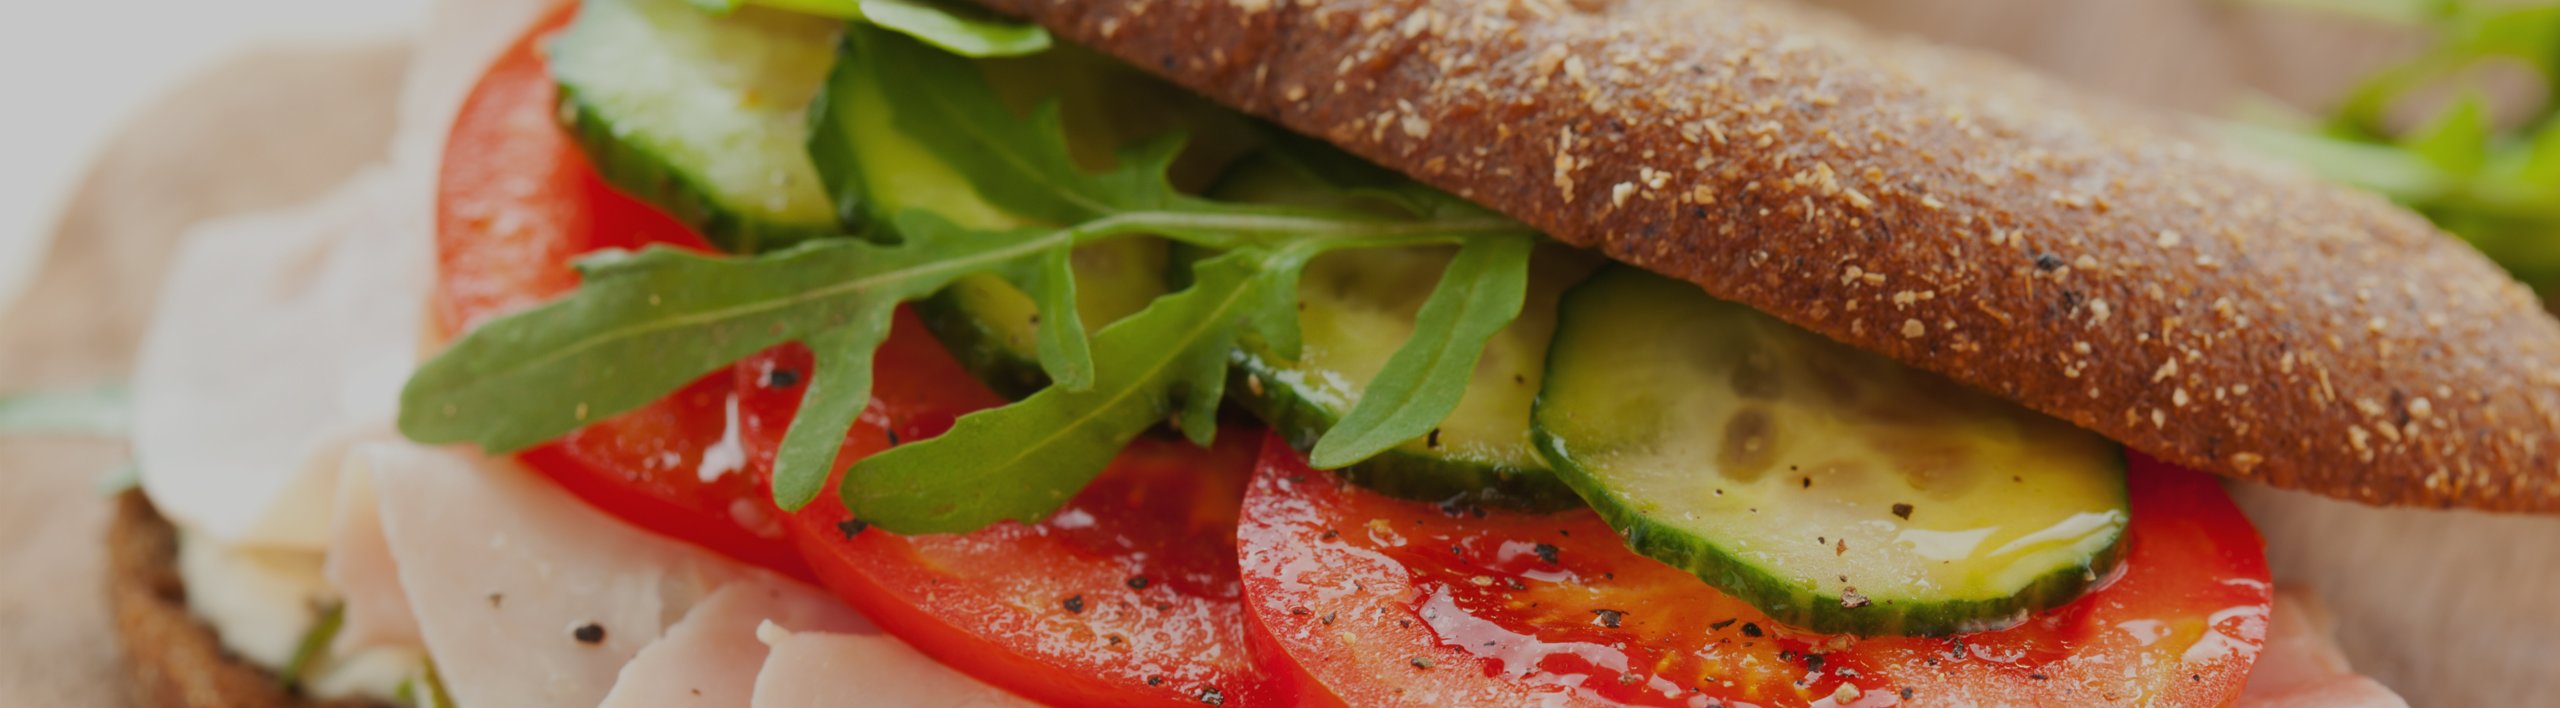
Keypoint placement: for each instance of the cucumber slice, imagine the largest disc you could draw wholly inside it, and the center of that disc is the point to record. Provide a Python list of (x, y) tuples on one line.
[(990, 325), (1355, 308), (1835, 489), (986, 321), (705, 116)]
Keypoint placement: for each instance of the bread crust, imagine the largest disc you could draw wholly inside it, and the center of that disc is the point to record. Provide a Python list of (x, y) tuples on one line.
[(174, 659), (2108, 266)]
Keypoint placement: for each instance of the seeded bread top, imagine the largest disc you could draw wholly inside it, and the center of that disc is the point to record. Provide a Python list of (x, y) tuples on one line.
[(2102, 264)]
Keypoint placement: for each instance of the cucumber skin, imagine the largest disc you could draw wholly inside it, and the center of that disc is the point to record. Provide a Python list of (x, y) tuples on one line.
[(979, 346), (1781, 600), (1817, 611), (651, 180), (1397, 472)]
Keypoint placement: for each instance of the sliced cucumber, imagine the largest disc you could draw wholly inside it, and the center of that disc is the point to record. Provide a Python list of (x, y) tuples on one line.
[(989, 324), (705, 116), (1834, 489), (986, 321), (1355, 308)]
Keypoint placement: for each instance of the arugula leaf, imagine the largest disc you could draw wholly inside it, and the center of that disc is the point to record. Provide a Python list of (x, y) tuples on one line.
[(1057, 440), (965, 31), (943, 103), (646, 324), (1479, 294), (839, 388), (1064, 352), (100, 410)]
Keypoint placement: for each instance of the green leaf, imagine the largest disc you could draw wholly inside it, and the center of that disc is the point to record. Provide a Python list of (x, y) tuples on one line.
[(963, 32), (1479, 294), (958, 29), (1064, 352), (1022, 461), (314, 645), (647, 324), (839, 388), (2457, 141), (102, 411), (1024, 167)]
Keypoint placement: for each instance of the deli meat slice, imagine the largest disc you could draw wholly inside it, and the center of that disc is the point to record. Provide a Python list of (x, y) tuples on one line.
[(2302, 667), (712, 656), (526, 596)]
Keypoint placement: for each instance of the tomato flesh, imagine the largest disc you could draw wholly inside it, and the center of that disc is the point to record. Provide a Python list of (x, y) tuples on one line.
[(517, 203), (1127, 596), (1388, 601)]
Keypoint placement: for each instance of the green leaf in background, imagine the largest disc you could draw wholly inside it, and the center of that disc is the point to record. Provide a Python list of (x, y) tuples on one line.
[(1023, 461), (966, 31), (1479, 294), (2494, 182), (100, 411), (2457, 141)]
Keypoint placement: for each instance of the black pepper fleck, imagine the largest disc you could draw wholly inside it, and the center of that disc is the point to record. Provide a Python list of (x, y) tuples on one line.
[(2048, 261), (852, 527), (1608, 618), (1906, 693), (1433, 441), (781, 378), (589, 633), (1750, 629), (1547, 553), (1074, 604), (1137, 582), (1719, 626), (1902, 510), (1213, 696)]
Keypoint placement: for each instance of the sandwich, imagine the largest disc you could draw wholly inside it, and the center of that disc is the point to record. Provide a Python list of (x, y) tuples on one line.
[(892, 352)]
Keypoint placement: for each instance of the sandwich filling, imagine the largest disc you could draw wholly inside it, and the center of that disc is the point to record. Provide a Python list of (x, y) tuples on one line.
[(893, 335)]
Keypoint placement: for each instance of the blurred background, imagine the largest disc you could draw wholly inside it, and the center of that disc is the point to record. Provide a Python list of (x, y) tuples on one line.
[(74, 72)]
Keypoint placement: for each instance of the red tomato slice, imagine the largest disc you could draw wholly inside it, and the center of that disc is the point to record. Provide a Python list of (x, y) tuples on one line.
[(517, 202), (1128, 596), (1385, 601)]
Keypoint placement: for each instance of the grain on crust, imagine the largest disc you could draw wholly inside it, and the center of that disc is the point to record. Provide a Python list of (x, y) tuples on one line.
[(2103, 265), (175, 660)]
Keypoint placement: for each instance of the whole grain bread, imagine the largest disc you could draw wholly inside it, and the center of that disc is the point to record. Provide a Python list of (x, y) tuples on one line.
[(176, 660), (2109, 266)]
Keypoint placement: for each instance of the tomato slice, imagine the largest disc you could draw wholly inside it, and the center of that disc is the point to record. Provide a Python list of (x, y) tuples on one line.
[(1389, 601), (516, 203), (1128, 596)]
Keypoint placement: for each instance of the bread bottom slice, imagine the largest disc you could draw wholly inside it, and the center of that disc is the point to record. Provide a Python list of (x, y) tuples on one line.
[(174, 659)]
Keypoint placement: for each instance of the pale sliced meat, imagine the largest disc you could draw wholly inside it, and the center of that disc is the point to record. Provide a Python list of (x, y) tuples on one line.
[(2302, 667), (824, 670), (279, 340), (526, 596), (2447, 607), (360, 566), (711, 657)]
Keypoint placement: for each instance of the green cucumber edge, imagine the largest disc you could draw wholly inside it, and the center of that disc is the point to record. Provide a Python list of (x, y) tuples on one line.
[(649, 178), (1397, 472), (1782, 601)]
